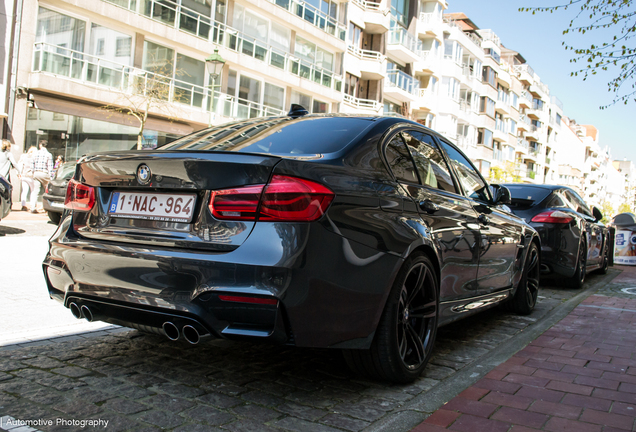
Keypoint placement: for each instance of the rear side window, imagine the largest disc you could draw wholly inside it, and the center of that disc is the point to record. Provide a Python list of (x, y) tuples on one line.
[(278, 136), (400, 162), (429, 162), (471, 181), (576, 203), (526, 196)]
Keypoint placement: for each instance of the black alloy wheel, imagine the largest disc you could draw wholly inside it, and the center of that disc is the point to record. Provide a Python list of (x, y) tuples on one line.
[(577, 280), (406, 333), (605, 267), (525, 297)]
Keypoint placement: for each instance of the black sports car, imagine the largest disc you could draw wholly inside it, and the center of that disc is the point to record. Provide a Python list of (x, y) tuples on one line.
[(55, 193), (574, 241), (5, 197), (358, 233)]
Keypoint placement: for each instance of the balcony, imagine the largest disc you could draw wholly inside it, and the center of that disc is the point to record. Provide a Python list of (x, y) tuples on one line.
[(429, 63), (430, 25), (500, 134), (370, 64), (534, 133), (525, 100), (525, 73), (523, 125), (533, 154), (403, 46), (497, 155), (363, 106), (531, 174), (375, 16), (112, 77), (200, 25), (522, 146), (401, 86), (503, 104), (426, 101)]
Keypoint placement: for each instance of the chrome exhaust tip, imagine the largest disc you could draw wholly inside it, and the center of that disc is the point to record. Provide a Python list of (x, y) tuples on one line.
[(191, 334), (86, 313), (170, 330), (75, 310)]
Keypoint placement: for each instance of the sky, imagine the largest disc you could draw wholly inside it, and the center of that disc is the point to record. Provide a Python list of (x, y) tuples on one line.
[(538, 38)]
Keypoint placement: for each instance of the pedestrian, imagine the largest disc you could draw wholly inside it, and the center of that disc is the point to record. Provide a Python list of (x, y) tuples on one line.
[(42, 172), (59, 160), (6, 160), (25, 169)]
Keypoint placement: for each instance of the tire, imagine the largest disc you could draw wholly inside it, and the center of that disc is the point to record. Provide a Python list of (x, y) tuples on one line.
[(406, 332), (525, 297), (54, 217), (605, 267), (577, 280)]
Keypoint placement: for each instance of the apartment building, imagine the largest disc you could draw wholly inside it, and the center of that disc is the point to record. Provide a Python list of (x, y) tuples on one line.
[(406, 58)]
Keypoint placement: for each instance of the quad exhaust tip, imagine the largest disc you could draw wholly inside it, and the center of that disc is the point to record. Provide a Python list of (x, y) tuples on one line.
[(75, 310), (170, 330), (191, 334), (86, 313)]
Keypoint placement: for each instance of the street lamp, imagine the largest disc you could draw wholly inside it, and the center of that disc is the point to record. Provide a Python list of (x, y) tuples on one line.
[(214, 65)]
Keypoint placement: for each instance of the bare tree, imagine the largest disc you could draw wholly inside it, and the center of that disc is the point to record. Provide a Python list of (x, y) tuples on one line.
[(614, 50)]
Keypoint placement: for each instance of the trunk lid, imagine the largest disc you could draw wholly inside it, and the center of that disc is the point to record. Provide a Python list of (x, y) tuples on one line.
[(133, 176)]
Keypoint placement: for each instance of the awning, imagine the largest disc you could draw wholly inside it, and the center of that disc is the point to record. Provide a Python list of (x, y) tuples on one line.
[(62, 106)]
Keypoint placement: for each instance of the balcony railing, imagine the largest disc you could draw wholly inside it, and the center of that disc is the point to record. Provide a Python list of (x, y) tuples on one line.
[(99, 72), (534, 151), (368, 5), (524, 68), (399, 36), (531, 174), (397, 78), (465, 105), (500, 125), (522, 143), (193, 22), (361, 103), (366, 54), (430, 18)]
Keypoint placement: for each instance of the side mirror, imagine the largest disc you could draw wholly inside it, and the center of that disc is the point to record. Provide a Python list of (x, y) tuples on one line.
[(500, 194), (597, 213)]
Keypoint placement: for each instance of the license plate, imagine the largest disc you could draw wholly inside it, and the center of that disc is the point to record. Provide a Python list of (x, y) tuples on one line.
[(152, 206)]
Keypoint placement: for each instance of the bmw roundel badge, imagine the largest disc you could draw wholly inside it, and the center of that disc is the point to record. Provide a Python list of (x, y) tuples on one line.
[(143, 174)]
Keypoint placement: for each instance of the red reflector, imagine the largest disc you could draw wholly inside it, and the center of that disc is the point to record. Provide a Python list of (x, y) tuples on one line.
[(553, 216), (236, 204), (255, 300), (283, 199), (79, 196)]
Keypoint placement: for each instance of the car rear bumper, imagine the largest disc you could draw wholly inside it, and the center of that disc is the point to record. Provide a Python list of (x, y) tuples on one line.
[(318, 288), (559, 248), (53, 203)]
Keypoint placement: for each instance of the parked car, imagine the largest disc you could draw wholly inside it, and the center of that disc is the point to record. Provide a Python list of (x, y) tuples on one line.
[(53, 198), (358, 233), (5, 197), (574, 241)]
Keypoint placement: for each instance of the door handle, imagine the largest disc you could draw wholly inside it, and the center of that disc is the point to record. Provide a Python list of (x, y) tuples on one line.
[(483, 219), (428, 206)]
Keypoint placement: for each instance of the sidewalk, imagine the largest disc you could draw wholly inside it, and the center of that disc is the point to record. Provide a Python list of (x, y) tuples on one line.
[(580, 375)]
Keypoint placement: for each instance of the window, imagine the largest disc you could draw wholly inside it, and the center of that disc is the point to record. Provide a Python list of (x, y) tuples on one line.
[(351, 85), (489, 76), (58, 29), (300, 99), (558, 119), (513, 127), (400, 162), (274, 96), (99, 50), (484, 137), (474, 186), (313, 54), (450, 87), (122, 48), (515, 101), (355, 35), (577, 204), (400, 9), (320, 107), (430, 164), (487, 106), (253, 24)]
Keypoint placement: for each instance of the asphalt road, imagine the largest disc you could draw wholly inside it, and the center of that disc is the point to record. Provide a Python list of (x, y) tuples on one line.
[(143, 382)]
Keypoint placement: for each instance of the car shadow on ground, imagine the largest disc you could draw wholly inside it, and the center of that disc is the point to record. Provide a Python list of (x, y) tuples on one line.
[(7, 230)]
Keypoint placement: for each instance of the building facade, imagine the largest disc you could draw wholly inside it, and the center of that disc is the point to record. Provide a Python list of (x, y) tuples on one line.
[(81, 64)]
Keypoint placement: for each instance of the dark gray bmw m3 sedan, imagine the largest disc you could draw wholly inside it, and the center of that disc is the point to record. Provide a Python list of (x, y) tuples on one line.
[(359, 233)]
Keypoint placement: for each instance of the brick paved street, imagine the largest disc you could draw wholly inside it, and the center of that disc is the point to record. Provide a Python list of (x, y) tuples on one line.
[(142, 382), (580, 375)]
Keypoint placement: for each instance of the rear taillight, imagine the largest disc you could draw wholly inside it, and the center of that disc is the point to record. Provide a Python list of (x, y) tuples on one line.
[(46, 189), (285, 199), (250, 299), (79, 196), (553, 216)]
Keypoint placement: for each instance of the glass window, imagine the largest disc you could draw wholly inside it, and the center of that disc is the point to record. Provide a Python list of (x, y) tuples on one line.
[(280, 37), (249, 89), (576, 203), (355, 34), (471, 181), (489, 76), (158, 59), (300, 99), (429, 162), (58, 29), (189, 71), (400, 161), (484, 137), (320, 107), (274, 96), (487, 106)]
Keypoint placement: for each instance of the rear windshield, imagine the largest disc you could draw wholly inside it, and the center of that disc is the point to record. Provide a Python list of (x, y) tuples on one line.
[(527, 196), (277, 136)]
